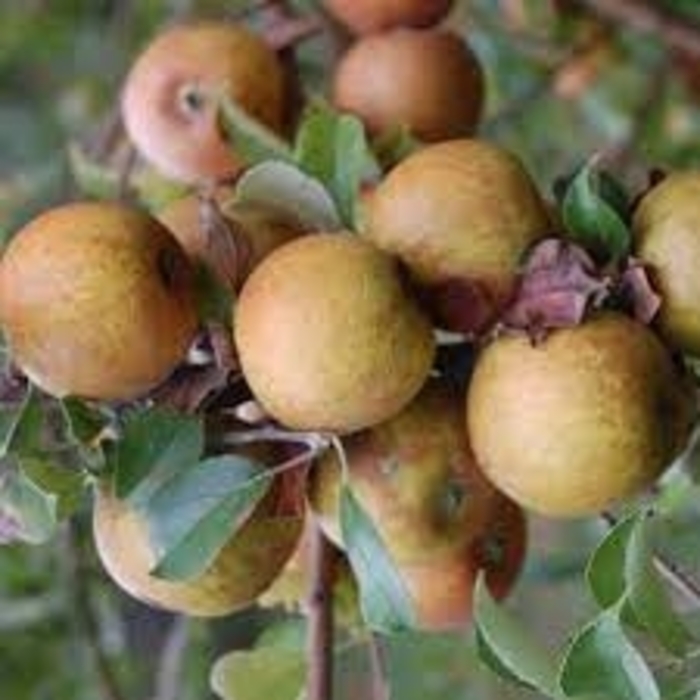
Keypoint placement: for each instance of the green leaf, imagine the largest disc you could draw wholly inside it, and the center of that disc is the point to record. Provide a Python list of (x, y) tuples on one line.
[(508, 648), (214, 301), (605, 573), (272, 673), (22, 427), (155, 446), (285, 188), (601, 660), (26, 514), (591, 219), (333, 148), (648, 597), (252, 140), (84, 425), (622, 567), (92, 178), (199, 509), (65, 484), (385, 601)]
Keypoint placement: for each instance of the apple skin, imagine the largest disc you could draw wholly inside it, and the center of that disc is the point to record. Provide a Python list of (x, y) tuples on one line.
[(328, 336), (416, 478), (370, 16), (169, 100), (586, 418), (667, 238), (429, 81), (96, 300), (246, 566), (460, 215)]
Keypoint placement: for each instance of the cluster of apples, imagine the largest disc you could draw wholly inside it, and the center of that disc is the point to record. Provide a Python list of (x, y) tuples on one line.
[(336, 331)]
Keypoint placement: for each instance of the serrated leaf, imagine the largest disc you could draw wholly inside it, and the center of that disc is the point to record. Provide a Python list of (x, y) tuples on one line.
[(194, 514), (271, 673), (333, 148), (92, 178), (601, 660), (155, 445), (591, 220), (384, 599), (26, 513), (508, 648), (287, 189), (65, 484), (23, 427), (252, 140)]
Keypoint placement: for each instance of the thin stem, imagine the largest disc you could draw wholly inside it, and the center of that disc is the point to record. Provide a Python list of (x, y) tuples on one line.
[(167, 677), (86, 618), (315, 441), (377, 659), (319, 682)]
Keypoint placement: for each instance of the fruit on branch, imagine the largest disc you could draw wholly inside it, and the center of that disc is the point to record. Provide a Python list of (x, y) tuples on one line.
[(172, 93), (253, 230), (417, 480), (366, 16), (460, 215), (426, 80), (591, 415), (96, 300), (666, 227), (328, 335), (243, 569)]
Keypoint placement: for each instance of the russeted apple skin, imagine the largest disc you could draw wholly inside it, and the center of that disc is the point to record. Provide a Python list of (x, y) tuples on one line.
[(417, 480), (463, 211), (96, 301), (429, 81), (203, 60), (263, 227), (246, 566), (369, 16), (666, 227), (588, 417), (328, 335)]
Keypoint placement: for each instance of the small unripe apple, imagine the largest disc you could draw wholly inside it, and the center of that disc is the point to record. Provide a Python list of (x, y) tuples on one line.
[(666, 228), (96, 300), (588, 417), (328, 335), (171, 97), (366, 16), (243, 569), (256, 229), (460, 215), (426, 80)]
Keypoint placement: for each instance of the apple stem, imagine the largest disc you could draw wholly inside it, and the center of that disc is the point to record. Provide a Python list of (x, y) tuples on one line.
[(316, 442), (319, 680)]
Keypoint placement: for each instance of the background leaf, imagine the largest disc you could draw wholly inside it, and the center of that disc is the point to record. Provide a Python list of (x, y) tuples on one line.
[(26, 513)]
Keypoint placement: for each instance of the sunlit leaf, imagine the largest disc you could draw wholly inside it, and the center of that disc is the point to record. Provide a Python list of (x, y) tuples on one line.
[(286, 189), (26, 513)]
